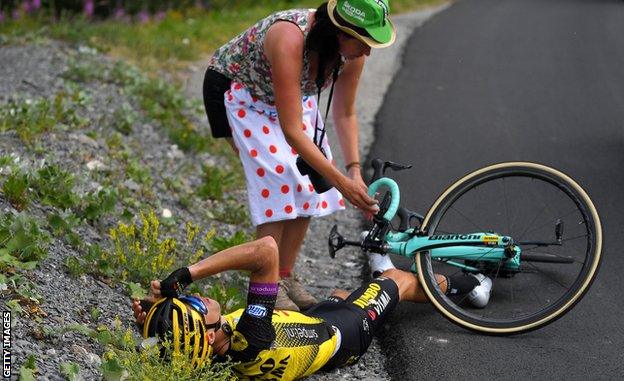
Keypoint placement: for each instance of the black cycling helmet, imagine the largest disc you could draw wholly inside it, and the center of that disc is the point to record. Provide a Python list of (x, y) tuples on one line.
[(172, 319)]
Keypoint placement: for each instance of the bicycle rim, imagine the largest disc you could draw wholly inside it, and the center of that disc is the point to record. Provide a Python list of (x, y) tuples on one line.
[(524, 201)]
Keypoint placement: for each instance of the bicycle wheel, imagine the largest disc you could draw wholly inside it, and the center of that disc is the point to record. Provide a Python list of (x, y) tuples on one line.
[(533, 204)]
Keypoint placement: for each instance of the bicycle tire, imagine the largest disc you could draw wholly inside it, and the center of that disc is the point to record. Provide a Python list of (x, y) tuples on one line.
[(588, 253)]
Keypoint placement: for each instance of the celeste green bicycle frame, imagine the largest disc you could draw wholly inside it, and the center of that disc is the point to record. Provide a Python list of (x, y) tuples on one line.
[(447, 248)]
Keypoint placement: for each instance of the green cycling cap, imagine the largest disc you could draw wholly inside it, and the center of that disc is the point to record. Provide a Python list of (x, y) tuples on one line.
[(367, 20)]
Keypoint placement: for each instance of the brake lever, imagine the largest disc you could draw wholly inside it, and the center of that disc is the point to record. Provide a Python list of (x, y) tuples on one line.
[(406, 216), (380, 166)]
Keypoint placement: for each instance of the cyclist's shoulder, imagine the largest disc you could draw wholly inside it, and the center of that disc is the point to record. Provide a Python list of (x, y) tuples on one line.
[(277, 317)]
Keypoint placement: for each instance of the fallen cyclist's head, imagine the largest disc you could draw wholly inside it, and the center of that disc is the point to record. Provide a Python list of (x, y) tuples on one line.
[(188, 322)]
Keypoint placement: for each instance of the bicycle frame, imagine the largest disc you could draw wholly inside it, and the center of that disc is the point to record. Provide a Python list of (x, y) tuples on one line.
[(476, 246), (484, 247)]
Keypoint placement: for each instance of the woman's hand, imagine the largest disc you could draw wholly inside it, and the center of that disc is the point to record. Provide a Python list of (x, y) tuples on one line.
[(355, 174), (355, 190)]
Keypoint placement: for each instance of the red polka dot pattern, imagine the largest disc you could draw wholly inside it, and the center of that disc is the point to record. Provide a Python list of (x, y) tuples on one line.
[(279, 192)]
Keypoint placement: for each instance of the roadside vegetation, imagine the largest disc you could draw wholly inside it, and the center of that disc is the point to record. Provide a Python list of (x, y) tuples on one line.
[(166, 40), (105, 181)]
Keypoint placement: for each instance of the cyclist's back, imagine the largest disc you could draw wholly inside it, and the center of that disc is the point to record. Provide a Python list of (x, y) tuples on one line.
[(289, 345)]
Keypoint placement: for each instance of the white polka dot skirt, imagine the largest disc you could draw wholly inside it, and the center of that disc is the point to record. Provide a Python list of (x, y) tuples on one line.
[(276, 190)]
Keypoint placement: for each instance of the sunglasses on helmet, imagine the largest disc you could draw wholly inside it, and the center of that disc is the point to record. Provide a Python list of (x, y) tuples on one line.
[(198, 305)]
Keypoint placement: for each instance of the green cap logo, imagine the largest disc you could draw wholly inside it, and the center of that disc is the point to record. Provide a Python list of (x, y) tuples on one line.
[(370, 15)]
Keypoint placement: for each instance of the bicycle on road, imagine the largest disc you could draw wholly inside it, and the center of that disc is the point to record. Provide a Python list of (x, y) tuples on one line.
[(530, 228)]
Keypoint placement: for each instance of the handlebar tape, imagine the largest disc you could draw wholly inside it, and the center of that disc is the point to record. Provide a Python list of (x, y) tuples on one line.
[(394, 192)]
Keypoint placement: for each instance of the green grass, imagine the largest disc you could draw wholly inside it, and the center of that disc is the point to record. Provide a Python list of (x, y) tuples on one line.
[(176, 40), (30, 118)]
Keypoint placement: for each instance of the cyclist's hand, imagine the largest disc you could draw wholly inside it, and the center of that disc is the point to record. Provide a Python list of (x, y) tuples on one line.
[(177, 281), (354, 190), (155, 288)]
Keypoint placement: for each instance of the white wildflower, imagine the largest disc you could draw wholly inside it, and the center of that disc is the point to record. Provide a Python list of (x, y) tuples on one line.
[(166, 213), (95, 165)]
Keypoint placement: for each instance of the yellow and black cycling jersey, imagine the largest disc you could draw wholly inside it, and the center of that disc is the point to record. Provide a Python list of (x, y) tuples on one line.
[(284, 346)]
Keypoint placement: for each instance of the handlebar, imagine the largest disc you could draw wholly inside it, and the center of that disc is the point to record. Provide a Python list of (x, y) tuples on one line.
[(394, 192)]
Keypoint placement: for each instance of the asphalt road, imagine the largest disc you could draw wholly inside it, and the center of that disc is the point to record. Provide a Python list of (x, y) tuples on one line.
[(497, 80)]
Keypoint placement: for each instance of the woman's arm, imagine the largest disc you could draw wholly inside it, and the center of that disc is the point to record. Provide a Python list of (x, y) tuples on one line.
[(284, 45), (344, 112)]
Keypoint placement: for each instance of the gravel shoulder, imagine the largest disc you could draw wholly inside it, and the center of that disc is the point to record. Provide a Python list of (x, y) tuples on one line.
[(35, 70)]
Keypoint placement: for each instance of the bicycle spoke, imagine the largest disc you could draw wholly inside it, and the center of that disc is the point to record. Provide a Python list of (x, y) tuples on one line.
[(534, 228), (553, 254), (467, 219), (574, 238), (506, 206), (547, 276)]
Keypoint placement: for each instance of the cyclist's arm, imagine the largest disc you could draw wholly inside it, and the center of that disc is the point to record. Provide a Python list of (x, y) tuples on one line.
[(284, 45), (343, 109), (259, 257)]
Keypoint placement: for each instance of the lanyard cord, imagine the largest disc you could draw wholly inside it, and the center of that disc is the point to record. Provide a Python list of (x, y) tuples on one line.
[(319, 84)]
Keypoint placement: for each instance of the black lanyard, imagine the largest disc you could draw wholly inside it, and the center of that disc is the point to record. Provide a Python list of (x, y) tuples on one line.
[(319, 85)]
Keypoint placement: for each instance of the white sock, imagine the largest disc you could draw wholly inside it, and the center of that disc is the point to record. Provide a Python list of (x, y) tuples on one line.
[(379, 263)]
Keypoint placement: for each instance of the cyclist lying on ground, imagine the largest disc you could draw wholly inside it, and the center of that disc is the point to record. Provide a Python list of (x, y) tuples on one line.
[(271, 343)]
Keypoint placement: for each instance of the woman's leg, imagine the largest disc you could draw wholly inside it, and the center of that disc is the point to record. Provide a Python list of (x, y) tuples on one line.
[(292, 238), (290, 243)]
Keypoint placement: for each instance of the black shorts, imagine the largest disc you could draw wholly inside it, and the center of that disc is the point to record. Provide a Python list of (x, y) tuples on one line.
[(215, 85), (358, 317)]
